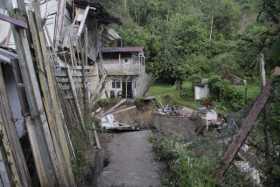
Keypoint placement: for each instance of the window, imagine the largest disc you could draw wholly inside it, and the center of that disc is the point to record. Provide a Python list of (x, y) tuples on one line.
[(142, 59), (116, 83)]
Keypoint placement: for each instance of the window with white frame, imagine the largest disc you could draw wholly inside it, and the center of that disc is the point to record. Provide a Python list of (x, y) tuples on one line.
[(116, 83)]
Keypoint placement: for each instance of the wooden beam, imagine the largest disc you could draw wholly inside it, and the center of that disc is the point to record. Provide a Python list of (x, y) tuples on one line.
[(246, 127), (59, 22), (14, 21), (83, 22)]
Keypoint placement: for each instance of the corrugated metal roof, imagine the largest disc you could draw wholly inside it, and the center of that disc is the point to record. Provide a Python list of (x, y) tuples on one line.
[(122, 49), (7, 56)]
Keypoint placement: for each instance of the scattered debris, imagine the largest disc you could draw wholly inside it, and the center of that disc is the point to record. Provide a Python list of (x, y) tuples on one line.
[(175, 111), (109, 123), (252, 172)]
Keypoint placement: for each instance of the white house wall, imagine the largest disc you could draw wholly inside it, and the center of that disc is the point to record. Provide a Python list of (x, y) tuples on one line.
[(201, 92)]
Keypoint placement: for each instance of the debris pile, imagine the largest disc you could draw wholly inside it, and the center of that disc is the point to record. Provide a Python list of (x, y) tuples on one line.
[(108, 121)]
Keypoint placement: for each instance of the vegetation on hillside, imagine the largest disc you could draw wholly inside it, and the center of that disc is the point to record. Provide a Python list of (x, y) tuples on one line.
[(184, 39)]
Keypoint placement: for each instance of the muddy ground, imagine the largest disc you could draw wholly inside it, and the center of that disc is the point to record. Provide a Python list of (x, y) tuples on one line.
[(131, 162)]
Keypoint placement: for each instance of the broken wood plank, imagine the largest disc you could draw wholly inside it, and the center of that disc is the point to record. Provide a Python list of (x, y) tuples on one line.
[(83, 22), (98, 145), (124, 110), (246, 126), (114, 107)]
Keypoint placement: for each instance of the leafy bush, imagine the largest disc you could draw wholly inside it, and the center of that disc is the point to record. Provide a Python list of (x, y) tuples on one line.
[(223, 91)]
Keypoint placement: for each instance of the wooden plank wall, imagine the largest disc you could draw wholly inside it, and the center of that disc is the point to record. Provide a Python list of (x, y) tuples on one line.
[(47, 113), (19, 175), (61, 157), (45, 125)]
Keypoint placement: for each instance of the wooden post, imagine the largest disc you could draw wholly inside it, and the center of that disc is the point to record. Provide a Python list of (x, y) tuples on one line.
[(246, 126), (126, 88)]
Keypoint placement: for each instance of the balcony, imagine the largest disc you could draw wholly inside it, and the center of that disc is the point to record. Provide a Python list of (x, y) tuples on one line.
[(129, 66)]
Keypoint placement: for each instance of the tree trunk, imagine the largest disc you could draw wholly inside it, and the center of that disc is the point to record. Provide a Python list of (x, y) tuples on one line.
[(262, 69), (211, 29)]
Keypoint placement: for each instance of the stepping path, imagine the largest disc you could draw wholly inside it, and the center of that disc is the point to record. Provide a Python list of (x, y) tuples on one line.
[(132, 162)]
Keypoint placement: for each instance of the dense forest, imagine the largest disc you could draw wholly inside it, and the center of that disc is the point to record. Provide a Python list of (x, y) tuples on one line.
[(215, 39), (186, 38)]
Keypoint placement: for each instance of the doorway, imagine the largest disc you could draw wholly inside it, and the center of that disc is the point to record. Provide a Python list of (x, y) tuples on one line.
[(127, 91)]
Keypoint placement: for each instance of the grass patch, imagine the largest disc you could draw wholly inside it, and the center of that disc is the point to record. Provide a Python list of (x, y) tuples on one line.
[(167, 94)]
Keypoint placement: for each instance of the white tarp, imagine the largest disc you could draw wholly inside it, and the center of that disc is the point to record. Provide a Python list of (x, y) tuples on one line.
[(109, 122)]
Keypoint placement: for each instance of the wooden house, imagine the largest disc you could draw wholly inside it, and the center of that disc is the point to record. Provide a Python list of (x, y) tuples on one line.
[(125, 67), (48, 75)]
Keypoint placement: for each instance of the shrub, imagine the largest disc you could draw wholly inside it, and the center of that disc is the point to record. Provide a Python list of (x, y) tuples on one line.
[(185, 168), (222, 91)]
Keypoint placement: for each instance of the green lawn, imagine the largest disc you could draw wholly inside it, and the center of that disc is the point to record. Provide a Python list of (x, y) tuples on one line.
[(163, 91), (167, 94)]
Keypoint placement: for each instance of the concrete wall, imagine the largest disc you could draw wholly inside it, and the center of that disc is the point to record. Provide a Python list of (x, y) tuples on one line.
[(142, 84), (93, 79), (116, 67)]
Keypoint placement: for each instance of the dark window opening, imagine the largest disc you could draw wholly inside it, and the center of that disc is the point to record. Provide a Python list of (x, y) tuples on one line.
[(116, 84)]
